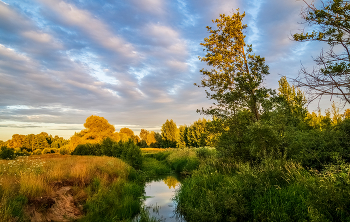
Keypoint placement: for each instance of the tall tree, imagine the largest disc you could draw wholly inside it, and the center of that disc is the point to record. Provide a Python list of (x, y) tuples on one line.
[(143, 134), (235, 80), (332, 24), (292, 100), (151, 139), (170, 133), (96, 129), (17, 141), (183, 140), (128, 132)]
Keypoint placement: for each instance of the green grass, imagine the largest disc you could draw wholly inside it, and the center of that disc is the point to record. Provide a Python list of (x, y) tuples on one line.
[(152, 167)]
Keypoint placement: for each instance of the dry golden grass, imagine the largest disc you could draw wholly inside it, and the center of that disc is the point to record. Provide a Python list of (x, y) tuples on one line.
[(36, 176)]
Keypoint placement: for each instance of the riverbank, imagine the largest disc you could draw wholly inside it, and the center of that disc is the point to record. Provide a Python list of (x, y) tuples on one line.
[(65, 188)]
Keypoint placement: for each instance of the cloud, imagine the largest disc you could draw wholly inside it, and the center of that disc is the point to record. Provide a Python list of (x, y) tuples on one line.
[(97, 30), (132, 62), (150, 6)]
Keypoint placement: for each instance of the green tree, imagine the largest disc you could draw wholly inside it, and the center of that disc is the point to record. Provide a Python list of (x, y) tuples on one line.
[(159, 139), (235, 80), (197, 133), (290, 106), (183, 140), (332, 24), (170, 133)]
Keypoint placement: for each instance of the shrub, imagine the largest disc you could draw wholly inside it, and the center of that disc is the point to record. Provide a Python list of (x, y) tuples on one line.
[(37, 152), (7, 153), (132, 154), (127, 151), (316, 148), (204, 152), (46, 150), (88, 149)]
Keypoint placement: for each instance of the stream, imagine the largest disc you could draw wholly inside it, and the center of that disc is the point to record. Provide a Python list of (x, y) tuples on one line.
[(159, 193)]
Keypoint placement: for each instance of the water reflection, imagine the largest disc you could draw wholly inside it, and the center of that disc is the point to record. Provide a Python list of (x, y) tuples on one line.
[(159, 194), (171, 182)]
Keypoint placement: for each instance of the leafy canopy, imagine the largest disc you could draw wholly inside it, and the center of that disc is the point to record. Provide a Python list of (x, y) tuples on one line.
[(236, 75)]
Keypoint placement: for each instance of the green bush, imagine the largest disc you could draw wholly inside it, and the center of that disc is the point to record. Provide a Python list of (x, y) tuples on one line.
[(132, 154), (316, 148), (205, 153), (88, 149), (275, 190), (7, 153), (127, 151)]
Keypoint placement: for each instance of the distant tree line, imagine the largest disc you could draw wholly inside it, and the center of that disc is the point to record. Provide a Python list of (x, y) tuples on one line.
[(32, 142)]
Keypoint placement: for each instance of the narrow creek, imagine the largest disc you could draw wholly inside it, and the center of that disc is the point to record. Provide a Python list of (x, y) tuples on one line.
[(159, 198)]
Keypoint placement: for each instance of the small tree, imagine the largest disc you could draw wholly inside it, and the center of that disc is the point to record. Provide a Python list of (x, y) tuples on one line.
[(170, 133)]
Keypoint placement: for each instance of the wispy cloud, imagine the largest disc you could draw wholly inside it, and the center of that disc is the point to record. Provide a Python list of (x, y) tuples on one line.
[(132, 62)]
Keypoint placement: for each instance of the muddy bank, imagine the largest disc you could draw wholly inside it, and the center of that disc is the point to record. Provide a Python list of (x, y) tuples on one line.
[(60, 206)]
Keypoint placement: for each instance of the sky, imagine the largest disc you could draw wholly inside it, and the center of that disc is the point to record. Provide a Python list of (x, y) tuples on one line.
[(133, 62)]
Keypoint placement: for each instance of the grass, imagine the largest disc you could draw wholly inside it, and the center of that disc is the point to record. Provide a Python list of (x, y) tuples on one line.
[(27, 178)]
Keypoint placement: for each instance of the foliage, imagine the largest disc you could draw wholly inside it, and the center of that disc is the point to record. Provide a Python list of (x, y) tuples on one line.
[(197, 133), (32, 142), (123, 196), (98, 129), (235, 80), (127, 151), (153, 167), (7, 153), (170, 133), (331, 21), (272, 191), (148, 139), (183, 160), (183, 139)]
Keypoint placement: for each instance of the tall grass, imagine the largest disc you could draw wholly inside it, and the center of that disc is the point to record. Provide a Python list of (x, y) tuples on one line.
[(183, 160), (27, 178)]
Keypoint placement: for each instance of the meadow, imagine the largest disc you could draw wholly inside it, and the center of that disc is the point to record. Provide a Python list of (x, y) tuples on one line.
[(66, 187)]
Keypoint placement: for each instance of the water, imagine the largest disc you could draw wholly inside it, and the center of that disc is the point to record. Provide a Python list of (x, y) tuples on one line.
[(159, 194)]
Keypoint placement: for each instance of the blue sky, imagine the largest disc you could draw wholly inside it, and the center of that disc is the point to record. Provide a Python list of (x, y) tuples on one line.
[(133, 62)]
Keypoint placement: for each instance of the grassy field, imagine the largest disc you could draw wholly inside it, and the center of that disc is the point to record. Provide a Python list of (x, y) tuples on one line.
[(64, 187)]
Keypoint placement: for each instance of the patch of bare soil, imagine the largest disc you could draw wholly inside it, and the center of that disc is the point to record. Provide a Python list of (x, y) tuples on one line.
[(60, 207)]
